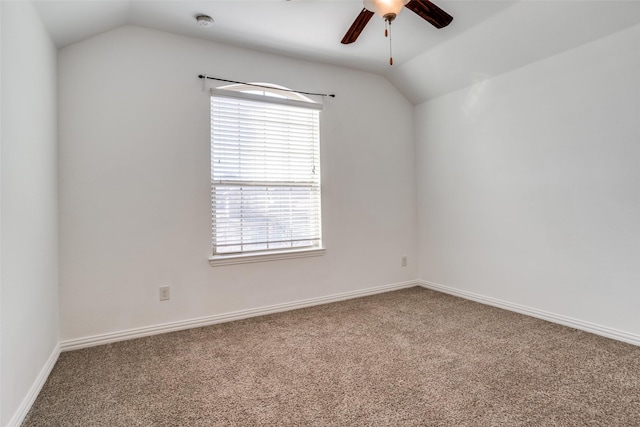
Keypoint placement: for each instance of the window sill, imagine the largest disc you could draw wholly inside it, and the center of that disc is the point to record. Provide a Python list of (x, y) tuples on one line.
[(219, 260)]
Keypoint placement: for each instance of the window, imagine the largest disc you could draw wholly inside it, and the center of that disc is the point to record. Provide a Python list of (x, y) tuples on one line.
[(265, 174)]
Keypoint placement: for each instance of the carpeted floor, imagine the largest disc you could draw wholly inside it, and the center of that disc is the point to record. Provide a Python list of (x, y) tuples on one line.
[(407, 358)]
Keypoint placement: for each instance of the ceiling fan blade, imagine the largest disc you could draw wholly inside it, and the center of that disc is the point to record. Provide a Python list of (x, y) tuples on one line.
[(430, 12), (357, 26)]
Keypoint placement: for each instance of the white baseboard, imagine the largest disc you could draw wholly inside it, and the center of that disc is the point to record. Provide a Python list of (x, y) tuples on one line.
[(91, 341), (540, 314), (27, 402)]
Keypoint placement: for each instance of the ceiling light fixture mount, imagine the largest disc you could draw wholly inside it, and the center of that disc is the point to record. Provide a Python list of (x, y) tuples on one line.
[(204, 20)]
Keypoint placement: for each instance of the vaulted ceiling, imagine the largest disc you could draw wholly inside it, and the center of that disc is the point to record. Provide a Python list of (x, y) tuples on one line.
[(486, 37)]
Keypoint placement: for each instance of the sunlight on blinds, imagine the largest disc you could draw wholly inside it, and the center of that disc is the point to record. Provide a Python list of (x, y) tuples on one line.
[(265, 175)]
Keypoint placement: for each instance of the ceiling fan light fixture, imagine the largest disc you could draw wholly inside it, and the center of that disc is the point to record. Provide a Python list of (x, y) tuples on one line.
[(388, 9)]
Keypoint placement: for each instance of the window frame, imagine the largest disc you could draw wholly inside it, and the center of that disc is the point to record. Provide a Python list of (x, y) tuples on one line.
[(270, 94)]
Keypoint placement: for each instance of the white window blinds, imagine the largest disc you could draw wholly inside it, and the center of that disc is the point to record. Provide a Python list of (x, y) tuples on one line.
[(265, 173)]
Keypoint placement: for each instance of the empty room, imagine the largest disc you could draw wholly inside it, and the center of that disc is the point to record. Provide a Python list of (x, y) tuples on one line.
[(320, 213)]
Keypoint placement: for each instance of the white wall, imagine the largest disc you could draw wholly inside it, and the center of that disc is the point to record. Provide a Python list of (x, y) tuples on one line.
[(29, 260), (529, 185), (134, 183)]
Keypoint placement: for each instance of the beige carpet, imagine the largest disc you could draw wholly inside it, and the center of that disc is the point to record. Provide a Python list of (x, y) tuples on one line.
[(407, 358)]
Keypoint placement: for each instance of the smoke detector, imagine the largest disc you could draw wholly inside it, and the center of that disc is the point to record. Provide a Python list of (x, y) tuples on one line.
[(204, 20)]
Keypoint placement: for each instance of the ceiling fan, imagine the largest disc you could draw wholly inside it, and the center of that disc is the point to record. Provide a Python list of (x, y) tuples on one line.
[(389, 9)]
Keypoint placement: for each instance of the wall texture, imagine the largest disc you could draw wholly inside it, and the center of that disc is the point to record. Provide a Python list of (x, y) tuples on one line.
[(529, 185), (29, 238), (135, 185)]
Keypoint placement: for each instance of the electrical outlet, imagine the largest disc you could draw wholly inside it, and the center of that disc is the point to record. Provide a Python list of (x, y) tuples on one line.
[(403, 260), (164, 293)]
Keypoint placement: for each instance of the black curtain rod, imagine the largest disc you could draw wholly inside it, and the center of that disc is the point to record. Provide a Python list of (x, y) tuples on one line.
[(202, 76)]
